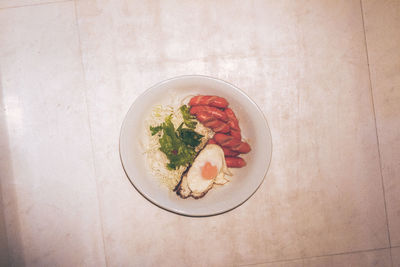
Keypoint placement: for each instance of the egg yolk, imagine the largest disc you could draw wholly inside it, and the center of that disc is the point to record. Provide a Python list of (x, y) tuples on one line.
[(209, 171)]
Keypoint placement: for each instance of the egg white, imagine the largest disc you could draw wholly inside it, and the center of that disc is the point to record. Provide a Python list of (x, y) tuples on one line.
[(215, 155)]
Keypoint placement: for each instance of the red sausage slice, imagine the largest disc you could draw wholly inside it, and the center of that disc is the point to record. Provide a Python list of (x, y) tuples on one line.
[(229, 153), (217, 113), (204, 117), (209, 100), (226, 140), (212, 141), (236, 134), (235, 162), (222, 128), (242, 148), (233, 121), (216, 125)]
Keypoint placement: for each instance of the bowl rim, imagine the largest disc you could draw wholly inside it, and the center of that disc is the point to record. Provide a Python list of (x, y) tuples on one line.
[(176, 210)]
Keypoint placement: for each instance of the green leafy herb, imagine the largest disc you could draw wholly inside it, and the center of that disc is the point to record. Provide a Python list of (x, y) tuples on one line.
[(178, 145), (188, 119), (155, 129), (190, 137)]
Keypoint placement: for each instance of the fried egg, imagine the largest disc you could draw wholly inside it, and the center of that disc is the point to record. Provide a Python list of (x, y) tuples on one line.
[(208, 168)]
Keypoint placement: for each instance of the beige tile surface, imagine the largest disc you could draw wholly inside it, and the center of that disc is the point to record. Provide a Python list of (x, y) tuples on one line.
[(396, 256), (382, 23), (47, 176), (376, 258), (20, 3), (304, 63), (294, 263), (3, 231)]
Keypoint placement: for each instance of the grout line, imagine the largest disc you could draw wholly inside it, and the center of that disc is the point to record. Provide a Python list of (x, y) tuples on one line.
[(36, 4), (90, 133), (320, 256), (376, 130)]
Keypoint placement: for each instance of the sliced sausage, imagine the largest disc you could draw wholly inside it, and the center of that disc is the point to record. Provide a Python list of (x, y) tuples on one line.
[(204, 117), (235, 162), (229, 153), (242, 148), (212, 141), (216, 125), (226, 140), (209, 100), (222, 127), (213, 111), (233, 121), (236, 134), (212, 123)]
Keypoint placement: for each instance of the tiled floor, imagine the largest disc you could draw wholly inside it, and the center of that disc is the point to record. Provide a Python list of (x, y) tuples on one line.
[(325, 73), (396, 256), (382, 22), (378, 257)]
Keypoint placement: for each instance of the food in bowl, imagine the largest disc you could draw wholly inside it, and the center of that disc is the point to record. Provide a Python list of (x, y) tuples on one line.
[(193, 145)]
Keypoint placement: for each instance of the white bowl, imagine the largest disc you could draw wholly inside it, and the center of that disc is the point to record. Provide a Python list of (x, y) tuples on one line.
[(243, 183)]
